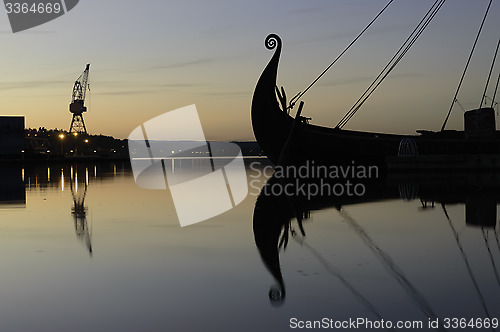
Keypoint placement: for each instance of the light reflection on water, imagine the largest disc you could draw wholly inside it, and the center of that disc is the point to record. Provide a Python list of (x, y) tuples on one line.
[(84, 248)]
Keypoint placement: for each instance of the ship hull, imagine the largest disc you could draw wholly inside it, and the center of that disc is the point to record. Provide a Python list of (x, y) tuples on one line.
[(293, 141)]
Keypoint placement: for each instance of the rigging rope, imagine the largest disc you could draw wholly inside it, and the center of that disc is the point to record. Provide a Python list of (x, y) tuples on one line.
[(467, 263), (294, 100), (496, 237), (401, 52), (390, 266), (492, 259), (489, 75), (336, 273), (463, 109), (493, 103), (466, 66)]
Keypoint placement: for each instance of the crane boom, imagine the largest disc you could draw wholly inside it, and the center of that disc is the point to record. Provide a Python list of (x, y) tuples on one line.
[(80, 87)]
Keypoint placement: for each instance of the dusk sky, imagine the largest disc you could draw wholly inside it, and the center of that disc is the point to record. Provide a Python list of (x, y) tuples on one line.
[(150, 57)]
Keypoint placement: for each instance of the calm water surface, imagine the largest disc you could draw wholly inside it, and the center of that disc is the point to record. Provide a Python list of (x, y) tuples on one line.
[(84, 249)]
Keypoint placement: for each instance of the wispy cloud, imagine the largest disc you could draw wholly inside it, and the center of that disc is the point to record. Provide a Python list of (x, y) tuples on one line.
[(124, 92), (228, 94), (183, 64), (124, 89), (28, 84), (311, 10), (351, 34), (196, 62), (367, 79)]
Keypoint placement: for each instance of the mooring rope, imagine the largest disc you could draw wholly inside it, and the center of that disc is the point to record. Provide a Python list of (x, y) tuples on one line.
[(401, 52), (493, 103), (466, 65), (489, 74), (456, 235), (294, 100)]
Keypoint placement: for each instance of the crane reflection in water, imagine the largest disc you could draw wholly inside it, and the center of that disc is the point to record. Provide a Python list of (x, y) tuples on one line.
[(279, 218), (76, 177), (79, 210)]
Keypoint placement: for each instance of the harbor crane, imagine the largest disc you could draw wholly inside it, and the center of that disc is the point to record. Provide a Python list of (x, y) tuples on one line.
[(77, 107)]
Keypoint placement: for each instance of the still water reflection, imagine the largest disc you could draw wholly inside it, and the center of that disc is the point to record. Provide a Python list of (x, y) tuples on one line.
[(428, 261), (414, 248)]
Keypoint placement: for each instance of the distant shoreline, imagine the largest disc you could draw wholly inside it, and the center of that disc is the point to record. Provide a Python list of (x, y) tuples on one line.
[(55, 145), (118, 152)]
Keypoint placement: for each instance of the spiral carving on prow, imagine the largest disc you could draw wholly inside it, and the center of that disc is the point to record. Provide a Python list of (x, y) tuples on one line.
[(272, 40)]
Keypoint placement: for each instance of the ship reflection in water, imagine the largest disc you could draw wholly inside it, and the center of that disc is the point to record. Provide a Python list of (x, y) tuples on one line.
[(422, 262)]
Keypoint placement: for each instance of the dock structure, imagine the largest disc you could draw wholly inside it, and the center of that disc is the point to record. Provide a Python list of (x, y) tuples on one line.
[(11, 136)]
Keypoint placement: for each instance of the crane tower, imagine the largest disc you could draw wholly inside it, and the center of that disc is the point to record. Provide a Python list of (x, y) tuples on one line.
[(77, 107)]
